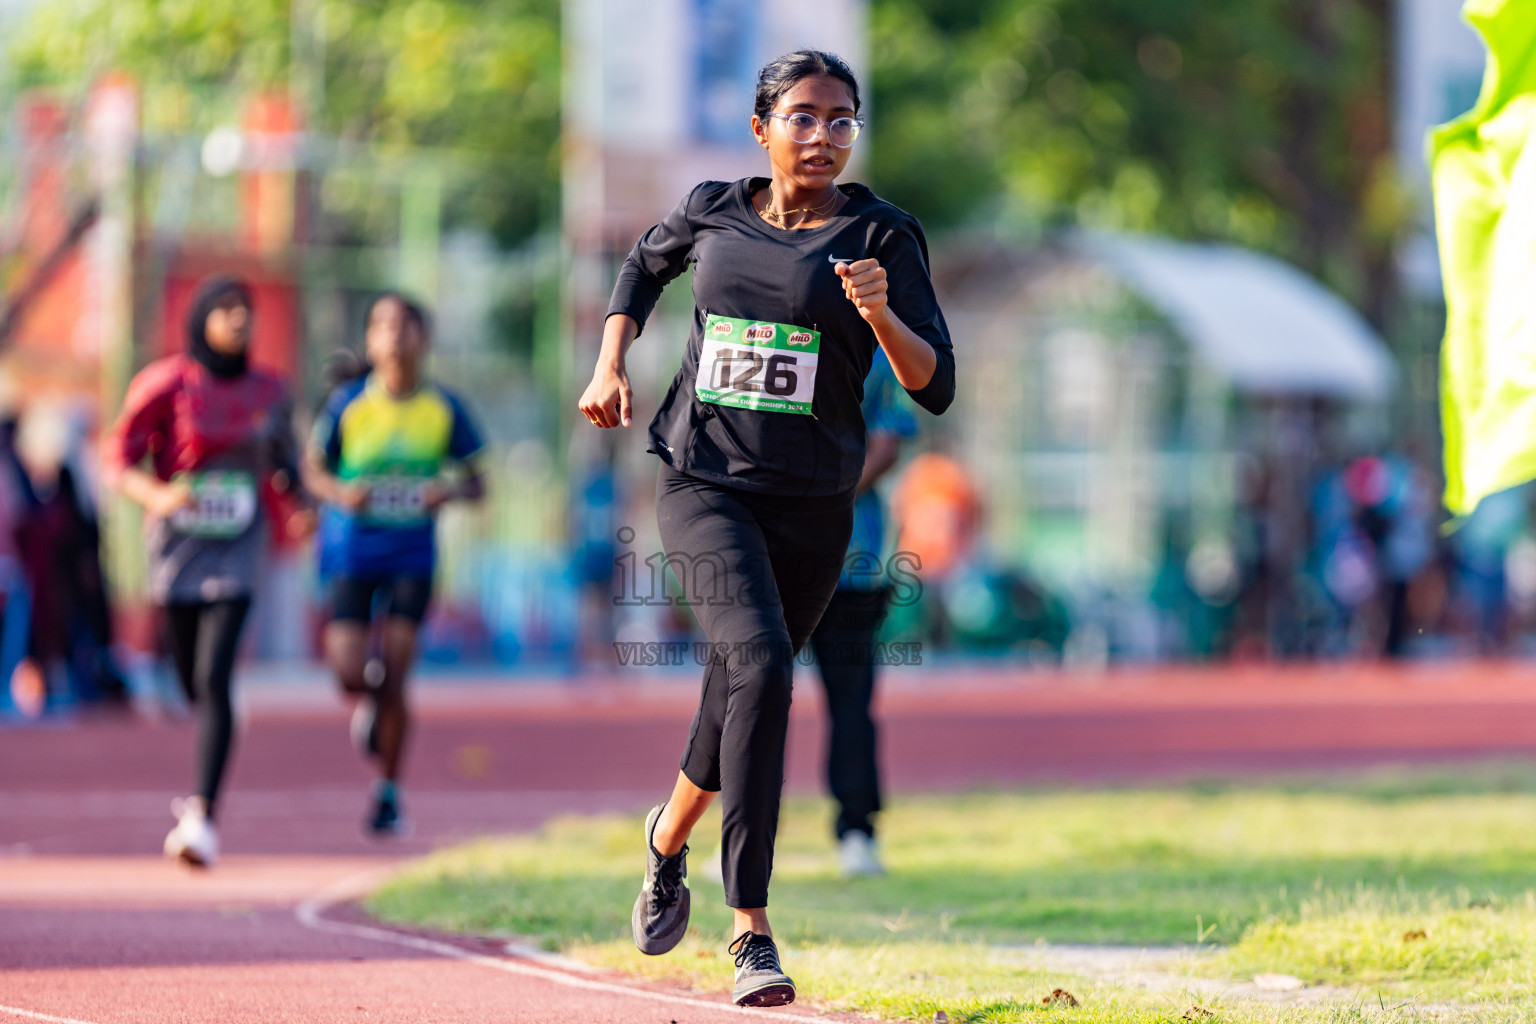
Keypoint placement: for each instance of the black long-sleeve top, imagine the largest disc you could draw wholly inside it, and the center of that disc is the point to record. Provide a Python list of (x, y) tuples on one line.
[(748, 278)]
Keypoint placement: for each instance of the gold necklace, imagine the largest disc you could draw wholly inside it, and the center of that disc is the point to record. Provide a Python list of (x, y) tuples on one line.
[(768, 213)]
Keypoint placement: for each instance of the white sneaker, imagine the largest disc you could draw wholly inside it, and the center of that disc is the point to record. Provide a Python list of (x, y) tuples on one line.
[(859, 855), (194, 840)]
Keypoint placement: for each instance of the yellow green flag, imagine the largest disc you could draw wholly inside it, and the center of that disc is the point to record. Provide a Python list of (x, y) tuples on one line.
[(1484, 172)]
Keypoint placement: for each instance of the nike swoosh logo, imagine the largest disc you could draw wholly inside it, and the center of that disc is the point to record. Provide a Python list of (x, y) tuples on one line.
[(841, 259)]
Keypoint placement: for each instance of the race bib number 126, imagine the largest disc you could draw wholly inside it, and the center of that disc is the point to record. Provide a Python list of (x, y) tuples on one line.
[(752, 364)]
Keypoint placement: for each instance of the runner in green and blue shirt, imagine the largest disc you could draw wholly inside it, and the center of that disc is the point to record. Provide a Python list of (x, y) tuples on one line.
[(380, 456)]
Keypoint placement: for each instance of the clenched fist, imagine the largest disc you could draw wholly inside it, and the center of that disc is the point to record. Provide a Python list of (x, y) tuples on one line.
[(864, 285), (609, 398)]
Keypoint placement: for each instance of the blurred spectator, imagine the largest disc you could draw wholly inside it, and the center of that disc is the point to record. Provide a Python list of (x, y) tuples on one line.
[(15, 594), (965, 598), (60, 550), (1373, 535), (939, 511), (1406, 545)]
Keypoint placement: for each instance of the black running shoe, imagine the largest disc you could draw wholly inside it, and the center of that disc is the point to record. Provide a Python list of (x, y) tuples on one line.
[(759, 979), (661, 910), (386, 818)]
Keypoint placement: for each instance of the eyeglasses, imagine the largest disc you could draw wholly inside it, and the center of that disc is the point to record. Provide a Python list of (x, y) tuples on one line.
[(841, 131)]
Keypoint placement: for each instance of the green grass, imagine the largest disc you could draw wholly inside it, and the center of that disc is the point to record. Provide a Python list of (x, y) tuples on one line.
[(1330, 881)]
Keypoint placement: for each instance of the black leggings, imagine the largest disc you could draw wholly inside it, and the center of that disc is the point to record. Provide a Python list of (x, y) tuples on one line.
[(204, 638), (758, 571)]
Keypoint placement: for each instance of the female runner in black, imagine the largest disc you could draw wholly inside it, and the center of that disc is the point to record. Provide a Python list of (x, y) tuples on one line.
[(796, 280)]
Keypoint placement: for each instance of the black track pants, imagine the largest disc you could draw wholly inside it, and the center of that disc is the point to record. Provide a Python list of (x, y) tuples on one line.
[(204, 640), (844, 644), (758, 571)]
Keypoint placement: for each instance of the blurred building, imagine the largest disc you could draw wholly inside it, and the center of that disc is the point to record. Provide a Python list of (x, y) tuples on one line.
[(1145, 420)]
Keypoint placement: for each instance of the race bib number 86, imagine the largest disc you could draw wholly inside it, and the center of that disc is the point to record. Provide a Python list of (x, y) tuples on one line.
[(751, 364)]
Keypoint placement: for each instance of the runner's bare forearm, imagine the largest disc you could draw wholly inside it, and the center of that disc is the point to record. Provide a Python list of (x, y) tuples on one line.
[(606, 401), (911, 357), (619, 332)]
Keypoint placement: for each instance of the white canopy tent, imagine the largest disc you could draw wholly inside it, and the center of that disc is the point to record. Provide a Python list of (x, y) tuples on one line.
[(1261, 324)]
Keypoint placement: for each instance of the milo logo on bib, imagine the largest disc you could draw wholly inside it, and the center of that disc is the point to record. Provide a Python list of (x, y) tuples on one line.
[(224, 505), (772, 368)]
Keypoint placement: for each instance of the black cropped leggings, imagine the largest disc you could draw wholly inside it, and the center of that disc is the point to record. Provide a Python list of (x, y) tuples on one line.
[(204, 640), (758, 571)]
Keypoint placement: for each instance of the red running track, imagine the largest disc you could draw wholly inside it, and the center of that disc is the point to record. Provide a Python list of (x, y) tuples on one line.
[(94, 928)]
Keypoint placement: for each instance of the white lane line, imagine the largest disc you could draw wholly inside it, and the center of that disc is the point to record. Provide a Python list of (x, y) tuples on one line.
[(16, 1011), (526, 952), (309, 914)]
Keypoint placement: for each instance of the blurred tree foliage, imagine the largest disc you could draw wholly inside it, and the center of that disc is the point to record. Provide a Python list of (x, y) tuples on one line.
[(478, 76), (1264, 122)]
